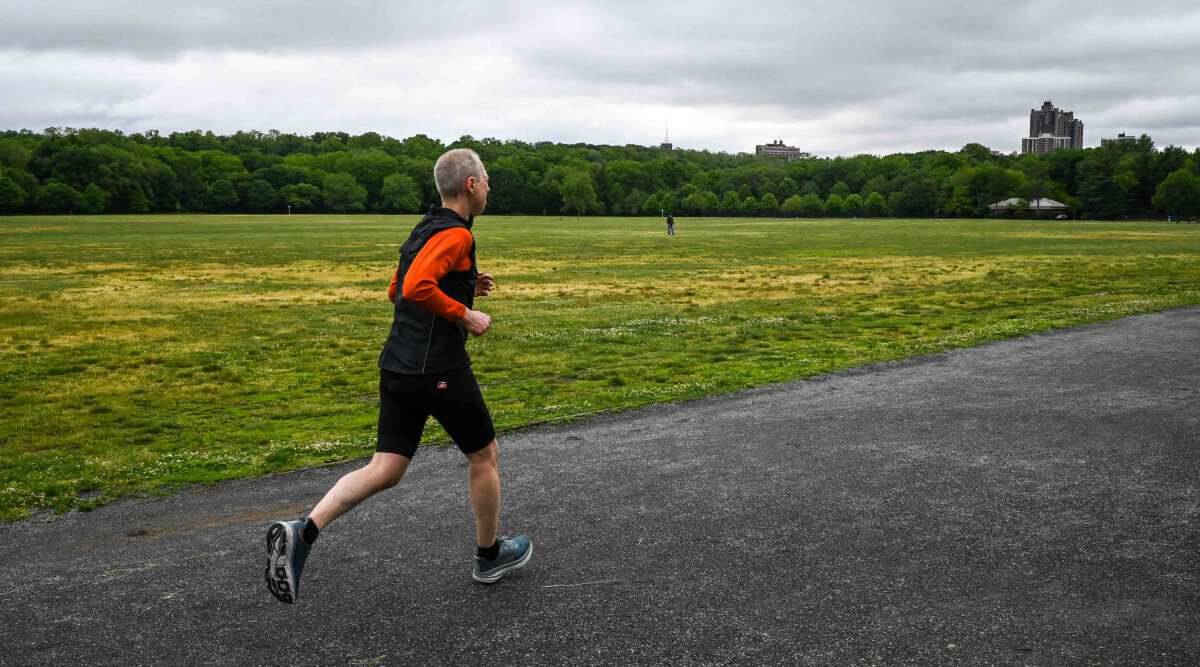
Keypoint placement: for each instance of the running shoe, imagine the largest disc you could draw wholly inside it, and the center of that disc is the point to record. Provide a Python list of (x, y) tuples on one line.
[(515, 552), (286, 554)]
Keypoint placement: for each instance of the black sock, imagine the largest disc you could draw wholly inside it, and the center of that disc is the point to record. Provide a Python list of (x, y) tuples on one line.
[(489, 553), (310, 532)]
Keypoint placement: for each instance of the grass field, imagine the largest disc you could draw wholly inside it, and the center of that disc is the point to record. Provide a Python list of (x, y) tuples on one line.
[(137, 354)]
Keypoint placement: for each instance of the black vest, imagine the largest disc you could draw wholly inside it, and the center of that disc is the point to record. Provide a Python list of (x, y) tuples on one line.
[(420, 342)]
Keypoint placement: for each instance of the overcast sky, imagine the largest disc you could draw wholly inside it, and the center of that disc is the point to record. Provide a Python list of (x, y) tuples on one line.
[(831, 78)]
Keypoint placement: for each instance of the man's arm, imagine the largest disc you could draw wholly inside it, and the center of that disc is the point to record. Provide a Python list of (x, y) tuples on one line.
[(446, 251), (394, 285), (483, 286)]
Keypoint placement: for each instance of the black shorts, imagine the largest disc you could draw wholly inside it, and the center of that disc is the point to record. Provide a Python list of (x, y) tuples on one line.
[(453, 398)]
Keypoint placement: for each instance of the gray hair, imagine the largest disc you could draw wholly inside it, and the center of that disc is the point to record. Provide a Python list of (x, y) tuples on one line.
[(452, 169)]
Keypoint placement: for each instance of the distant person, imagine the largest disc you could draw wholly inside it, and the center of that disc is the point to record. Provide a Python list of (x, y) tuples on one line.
[(670, 224), (424, 370)]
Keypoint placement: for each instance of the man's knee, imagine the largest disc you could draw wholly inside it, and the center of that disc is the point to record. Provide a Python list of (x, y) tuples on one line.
[(387, 470), (486, 457)]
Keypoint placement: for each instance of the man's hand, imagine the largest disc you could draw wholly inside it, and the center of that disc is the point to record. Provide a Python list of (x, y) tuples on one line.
[(476, 322), (484, 284)]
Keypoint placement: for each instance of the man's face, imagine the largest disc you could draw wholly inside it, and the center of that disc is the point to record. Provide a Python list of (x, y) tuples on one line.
[(477, 192)]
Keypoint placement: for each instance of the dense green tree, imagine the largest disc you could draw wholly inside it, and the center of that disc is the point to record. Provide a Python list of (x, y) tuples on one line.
[(57, 197), (400, 193), (366, 140), (1100, 193), (93, 200), (624, 176), (786, 188), (260, 196), (976, 152), (987, 184), (659, 203), (768, 204), (578, 192), (13, 154), (221, 196), (257, 160), (853, 204), (136, 201), (1037, 177), (343, 194), (12, 197), (875, 184), (192, 171), (24, 180), (672, 172), (78, 165), (189, 188), (729, 203), (875, 205), (835, 206), (701, 202), (215, 166), (792, 206), (960, 203), (301, 196), (749, 206), (811, 205), (369, 168), (915, 199), (280, 175), (632, 203), (1179, 194), (509, 180), (421, 146), (195, 141)]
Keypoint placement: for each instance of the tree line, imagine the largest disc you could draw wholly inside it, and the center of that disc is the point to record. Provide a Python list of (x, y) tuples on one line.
[(66, 170)]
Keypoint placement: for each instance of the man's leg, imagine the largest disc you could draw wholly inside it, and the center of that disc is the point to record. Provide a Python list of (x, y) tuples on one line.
[(495, 557), (485, 493), (402, 417), (383, 472), (288, 542), (461, 410)]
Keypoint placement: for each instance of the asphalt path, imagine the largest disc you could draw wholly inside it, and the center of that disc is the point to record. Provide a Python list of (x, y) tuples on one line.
[(1030, 501)]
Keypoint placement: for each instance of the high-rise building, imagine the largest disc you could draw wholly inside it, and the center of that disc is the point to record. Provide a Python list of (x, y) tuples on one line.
[(1047, 143), (778, 149), (1051, 128)]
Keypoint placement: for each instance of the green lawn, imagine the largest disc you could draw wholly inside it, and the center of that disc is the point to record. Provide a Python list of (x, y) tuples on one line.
[(137, 354)]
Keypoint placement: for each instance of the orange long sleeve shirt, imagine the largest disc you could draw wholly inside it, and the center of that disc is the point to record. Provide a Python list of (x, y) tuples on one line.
[(446, 251)]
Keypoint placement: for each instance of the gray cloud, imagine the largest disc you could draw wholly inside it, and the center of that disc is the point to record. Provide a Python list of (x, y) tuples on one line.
[(858, 76), (164, 29)]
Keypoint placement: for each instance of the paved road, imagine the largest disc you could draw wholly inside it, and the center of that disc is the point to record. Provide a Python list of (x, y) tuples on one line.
[(1032, 501)]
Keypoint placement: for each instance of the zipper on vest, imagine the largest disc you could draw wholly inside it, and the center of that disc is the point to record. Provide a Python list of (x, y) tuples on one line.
[(428, 342)]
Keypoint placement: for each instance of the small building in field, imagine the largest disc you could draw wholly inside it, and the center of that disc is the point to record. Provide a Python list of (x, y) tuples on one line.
[(1039, 207)]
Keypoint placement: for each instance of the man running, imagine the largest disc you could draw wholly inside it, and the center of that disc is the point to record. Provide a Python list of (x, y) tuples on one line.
[(424, 370)]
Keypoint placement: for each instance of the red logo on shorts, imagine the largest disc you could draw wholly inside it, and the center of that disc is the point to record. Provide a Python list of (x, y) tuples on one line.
[(442, 386)]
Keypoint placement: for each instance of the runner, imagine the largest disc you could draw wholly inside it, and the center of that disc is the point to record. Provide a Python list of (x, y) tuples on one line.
[(424, 370)]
